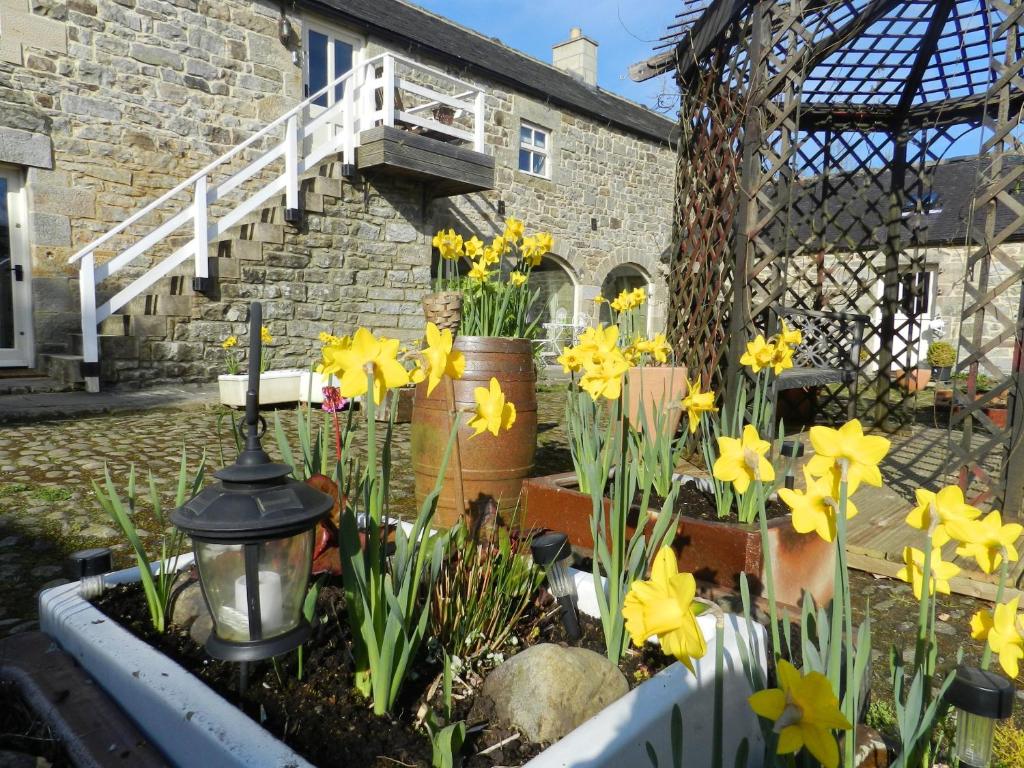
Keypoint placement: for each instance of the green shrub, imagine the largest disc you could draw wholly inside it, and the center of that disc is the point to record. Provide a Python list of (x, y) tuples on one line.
[(941, 354), (1008, 746)]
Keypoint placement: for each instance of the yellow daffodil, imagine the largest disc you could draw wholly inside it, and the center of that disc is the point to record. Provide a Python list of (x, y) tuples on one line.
[(815, 508), (517, 279), (741, 461), (759, 354), (987, 540), (624, 302), (479, 271), (697, 403), (449, 244), (805, 711), (533, 251), (638, 296), (490, 256), (936, 511), (513, 229), (600, 339), (441, 360), (663, 607), (330, 338), (782, 358), (599, 299), (570, 360), (850, 449), (545, 242), (1003, 630), (416, 373), (658, 347), (229, 342), (603, 372), (913, 571), (473, 247), (265, 336), (500, 245), (492, 413), (380, 355), (791, 337)]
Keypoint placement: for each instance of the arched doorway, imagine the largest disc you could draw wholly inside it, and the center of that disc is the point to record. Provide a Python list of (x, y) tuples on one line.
[(555, 307), (626, 277)]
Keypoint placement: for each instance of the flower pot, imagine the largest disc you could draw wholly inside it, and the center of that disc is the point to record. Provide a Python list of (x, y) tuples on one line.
[(998, 415), (493, 468), (942, 373), (193, 725), (311, 386), (403, 408), (656, 389), (275, 387), (917, 379), (443, 309), (714, 552), (943, 397)]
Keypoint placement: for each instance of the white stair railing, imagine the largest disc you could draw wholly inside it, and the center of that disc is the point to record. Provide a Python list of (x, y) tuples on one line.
[(387, 90)]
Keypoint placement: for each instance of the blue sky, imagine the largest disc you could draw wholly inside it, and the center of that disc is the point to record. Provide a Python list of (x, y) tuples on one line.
[(625, 30)]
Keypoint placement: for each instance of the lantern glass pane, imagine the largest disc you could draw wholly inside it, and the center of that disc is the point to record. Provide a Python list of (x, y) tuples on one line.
[(560, 580), (284, 567), (974, 739)]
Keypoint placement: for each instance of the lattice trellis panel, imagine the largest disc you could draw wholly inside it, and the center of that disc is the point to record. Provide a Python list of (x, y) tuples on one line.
[(824, 198)]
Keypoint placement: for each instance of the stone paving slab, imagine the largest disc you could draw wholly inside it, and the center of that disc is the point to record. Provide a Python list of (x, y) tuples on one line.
[(63, 405)]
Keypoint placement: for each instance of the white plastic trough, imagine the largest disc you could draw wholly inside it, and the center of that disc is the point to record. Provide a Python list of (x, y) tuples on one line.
[(275, 387), (193, 726)]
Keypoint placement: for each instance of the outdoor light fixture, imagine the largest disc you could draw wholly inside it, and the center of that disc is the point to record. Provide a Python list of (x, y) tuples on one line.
[(980, 698), (793, 449), (253, 538), (551, 551)]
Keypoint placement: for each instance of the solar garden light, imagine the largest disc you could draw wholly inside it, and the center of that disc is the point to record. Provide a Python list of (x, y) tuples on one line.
[(552, 552), (794, 449), (980, 698), (252, 533)]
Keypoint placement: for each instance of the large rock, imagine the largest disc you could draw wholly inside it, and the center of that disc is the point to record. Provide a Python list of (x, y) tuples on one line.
[(187, 605), (547, 690)]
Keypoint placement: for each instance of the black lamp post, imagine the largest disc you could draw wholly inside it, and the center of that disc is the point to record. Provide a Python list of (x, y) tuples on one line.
[(553, 553), (980, 698), (252, 533)]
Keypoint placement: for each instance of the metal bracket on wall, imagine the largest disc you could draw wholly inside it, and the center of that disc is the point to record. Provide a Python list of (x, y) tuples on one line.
[(202, 284)]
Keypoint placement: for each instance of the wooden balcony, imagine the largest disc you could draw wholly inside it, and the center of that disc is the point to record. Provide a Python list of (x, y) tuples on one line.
[(450, 169)]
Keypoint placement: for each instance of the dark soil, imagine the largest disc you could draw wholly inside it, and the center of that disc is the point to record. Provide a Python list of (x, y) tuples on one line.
[(22, 730), (692, 501), (322, 716)]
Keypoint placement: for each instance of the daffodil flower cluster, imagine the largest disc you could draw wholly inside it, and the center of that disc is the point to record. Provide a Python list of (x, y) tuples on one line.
[(598, 357), (775, 354), (232, 359)]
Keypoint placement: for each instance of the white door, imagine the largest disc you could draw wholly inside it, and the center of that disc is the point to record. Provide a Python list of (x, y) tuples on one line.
[(329, 54), (15, 295)]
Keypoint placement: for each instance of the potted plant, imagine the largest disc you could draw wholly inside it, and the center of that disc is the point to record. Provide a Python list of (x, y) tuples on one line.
[(942, 358), (718, 539), (281, 386), (495, 341)]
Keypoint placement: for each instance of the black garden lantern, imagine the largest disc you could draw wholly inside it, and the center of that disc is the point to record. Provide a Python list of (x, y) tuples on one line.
[(253, 533), (552, 552), (980, 698)]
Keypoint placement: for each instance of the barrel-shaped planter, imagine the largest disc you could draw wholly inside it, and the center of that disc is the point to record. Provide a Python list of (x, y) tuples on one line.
[(492, 468)]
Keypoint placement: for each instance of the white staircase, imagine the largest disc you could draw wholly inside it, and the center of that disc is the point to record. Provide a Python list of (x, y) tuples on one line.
[(181, 225)]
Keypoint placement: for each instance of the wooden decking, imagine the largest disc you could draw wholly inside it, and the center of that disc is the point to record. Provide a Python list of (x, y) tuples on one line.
[(878, 534)]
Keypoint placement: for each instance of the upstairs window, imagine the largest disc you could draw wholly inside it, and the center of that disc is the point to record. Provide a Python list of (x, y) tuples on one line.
[(534, 149)]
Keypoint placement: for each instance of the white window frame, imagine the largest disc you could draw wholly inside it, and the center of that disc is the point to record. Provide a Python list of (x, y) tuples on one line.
[(533, 149)]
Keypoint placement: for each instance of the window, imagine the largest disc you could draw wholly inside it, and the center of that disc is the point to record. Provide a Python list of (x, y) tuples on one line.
[(915, 293), (534, 146)]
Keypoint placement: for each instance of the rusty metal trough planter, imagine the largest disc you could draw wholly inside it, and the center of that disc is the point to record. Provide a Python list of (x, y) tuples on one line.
[(715, 552), (493, 468)]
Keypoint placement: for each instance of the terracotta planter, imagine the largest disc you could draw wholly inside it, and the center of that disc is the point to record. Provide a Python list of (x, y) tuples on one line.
[(493, 468), (913, 381), (998, 415), (657, 389), (943, 397), (715, 552)]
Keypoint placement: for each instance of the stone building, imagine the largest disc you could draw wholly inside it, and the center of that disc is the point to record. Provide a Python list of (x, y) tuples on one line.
[(326, 214)]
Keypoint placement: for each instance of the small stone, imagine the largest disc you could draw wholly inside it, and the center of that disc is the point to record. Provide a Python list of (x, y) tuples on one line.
[(188, 605), (872, 749), (201, 629), (548, 690)]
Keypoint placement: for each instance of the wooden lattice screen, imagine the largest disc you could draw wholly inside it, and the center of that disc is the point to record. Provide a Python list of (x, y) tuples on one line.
[(811, 134)]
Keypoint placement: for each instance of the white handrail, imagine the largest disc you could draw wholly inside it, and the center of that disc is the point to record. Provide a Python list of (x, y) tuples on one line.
[(336, 128)]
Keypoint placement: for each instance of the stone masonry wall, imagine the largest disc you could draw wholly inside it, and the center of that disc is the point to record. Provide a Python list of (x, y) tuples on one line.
[(150, 91)]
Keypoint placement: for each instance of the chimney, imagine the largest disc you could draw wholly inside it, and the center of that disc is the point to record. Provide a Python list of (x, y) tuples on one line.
[(577, 56)]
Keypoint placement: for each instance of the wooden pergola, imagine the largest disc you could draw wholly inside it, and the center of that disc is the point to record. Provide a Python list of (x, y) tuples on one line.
[(810, 135)]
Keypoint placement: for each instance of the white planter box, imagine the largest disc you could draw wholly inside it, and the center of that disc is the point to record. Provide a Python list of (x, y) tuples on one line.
[(275, 387), (311, 386), (194, 726)]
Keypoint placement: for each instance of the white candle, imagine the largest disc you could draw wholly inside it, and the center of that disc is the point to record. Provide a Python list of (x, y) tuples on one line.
[(270, 601)]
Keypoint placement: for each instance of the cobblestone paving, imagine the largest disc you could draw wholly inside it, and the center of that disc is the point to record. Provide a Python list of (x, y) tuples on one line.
[(47, 507)]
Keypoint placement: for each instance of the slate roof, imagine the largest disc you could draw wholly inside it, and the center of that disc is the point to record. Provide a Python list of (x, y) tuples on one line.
[(412, 29), (947, 192)]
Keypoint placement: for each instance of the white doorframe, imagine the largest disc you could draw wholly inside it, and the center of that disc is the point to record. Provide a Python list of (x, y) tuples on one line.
[(23, 351), (332, 33)]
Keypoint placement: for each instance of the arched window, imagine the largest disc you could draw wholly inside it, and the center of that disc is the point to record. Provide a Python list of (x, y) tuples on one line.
[(625, 277), (556, 302)]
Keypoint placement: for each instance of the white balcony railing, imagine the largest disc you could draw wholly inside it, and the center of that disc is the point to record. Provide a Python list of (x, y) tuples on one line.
[(388, 90)]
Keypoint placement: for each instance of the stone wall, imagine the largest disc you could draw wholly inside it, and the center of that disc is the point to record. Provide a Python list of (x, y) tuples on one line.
[(150, 91)]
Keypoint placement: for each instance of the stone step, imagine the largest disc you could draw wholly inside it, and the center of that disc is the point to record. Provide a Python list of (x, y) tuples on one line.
[(263, 232), (34, 385), (111, 347), (63, 368), (115, 325)]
